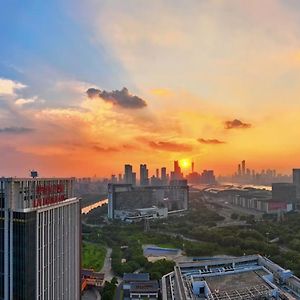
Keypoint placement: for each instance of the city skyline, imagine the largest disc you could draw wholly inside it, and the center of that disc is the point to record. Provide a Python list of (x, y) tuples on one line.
[(185, 169), (86, 88), (188, 166)]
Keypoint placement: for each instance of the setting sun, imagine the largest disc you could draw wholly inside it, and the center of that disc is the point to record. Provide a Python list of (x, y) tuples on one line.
[(185, 163)]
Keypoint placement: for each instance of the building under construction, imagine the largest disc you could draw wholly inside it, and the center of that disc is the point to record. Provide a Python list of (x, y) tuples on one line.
[(246, 277)]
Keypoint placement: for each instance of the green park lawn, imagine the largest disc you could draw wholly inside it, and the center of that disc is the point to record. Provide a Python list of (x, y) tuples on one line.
[(93, 256)]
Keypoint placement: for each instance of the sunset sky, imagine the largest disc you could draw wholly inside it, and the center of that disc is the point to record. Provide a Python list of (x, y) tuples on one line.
[(86, 86)]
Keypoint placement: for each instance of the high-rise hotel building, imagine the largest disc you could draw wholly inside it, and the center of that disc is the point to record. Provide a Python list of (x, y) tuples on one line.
[(39, 239)]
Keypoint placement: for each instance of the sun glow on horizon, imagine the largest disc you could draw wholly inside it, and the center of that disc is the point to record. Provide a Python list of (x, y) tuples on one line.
[(185, 163)]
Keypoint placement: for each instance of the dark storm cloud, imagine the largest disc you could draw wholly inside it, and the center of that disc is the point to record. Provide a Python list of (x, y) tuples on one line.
[(120, 98), (92, 92), (210, 141), (236, 124), (15, 130)]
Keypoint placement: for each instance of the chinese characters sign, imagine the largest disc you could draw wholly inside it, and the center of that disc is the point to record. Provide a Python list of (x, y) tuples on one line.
[(49, 194)]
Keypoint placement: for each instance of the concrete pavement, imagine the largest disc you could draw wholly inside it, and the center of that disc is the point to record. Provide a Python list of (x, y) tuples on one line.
[(91, 294)]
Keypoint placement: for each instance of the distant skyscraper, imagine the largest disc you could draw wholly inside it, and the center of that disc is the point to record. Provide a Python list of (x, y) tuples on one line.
[(239, 170), (120, 178), (163, 174), (144, 177), (153, 181), (157, 173), (176, 175), (296, 181), (113, 179), (243, 167), (208, 177), (176, 167), (193, 167), (39, 239), (133, 180), (128, 174)]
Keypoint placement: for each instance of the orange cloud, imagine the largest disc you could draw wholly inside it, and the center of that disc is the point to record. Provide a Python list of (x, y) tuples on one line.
[(105, 150), (96, 135), (210, 141), (170, 146), (162, 92)]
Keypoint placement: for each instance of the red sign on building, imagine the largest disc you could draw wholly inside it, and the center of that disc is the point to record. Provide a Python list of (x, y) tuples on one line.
[(49, 194), (277, 205)]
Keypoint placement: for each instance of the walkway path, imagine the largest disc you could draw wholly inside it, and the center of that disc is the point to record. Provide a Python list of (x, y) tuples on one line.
[(106, 269)]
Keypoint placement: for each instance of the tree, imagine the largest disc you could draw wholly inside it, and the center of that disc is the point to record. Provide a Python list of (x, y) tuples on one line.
[(109, 289), (234, 216)]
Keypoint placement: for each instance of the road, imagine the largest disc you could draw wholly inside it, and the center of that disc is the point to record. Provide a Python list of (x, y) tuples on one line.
[(118, 293), (92, 293), (93, 225), (107, 270)]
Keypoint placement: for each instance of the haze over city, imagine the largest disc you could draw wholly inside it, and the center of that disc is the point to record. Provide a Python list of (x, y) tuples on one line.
[(87, 86)]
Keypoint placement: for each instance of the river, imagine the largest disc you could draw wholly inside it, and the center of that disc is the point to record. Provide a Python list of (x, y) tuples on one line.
[(254, 186), (87, 209)]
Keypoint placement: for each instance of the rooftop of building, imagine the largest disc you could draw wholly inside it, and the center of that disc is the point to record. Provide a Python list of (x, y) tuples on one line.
[(173, 184), (216, 261), (283, 184), (238, 283), (18, 179), (226, 278), (135, 277), (144, 287), (90, 273), (238, 190)]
